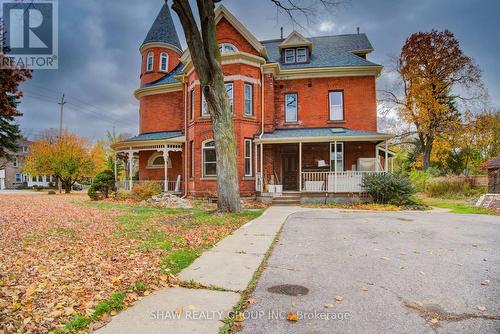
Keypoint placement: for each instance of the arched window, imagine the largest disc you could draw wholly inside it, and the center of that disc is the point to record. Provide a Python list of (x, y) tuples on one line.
[(226, 48), (149, 62), (163, 62), (156, 161), (209, 160)]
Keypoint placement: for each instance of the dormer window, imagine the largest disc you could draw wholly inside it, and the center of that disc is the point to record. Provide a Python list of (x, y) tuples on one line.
[(149, 62), (163, 62), (295, 55), (226, 48)]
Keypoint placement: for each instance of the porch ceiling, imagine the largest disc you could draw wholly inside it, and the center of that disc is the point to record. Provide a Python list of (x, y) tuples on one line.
[(152, 139), (325, 134)]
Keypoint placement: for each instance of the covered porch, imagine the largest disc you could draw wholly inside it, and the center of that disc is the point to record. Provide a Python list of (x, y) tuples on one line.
[(320, 160), (152, 157)]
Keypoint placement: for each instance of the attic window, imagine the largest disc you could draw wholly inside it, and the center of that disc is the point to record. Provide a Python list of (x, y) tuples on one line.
[(295, 55), (226, 48)]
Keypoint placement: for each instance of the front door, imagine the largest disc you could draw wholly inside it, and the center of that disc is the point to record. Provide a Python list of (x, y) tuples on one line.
[(290, 170)]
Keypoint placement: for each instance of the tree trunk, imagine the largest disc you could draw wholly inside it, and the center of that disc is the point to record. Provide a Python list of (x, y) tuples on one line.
[(67, 187), (427, 149)]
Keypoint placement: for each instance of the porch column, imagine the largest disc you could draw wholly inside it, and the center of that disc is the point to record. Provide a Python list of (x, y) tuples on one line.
[(335, 167), (300, 166), (256, 157), (165, 169), (130, 156), (386, 162), (115, 169), (261, 167)]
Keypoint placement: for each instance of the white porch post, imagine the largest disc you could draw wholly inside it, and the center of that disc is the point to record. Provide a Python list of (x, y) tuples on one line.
[(115, 168), (300, 166), (261, 167), (335, 162), (165, 169), (130, 156), (256, 157), (386, 162)]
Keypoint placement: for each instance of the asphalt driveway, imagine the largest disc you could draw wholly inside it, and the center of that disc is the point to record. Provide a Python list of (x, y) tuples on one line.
[(417, 272)]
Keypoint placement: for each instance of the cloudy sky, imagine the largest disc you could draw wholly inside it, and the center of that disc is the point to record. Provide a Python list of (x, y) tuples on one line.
[(99, 58)]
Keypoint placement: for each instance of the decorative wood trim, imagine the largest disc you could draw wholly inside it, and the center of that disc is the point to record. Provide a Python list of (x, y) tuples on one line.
[(160, 89)]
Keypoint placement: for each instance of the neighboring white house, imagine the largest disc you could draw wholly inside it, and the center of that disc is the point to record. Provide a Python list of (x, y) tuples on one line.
[(2, 179)]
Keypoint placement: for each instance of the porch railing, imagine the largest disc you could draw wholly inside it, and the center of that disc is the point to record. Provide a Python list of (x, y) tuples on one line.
[(334, 182), (174, 186)]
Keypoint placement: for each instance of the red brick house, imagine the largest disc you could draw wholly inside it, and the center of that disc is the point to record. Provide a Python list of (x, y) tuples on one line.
[(304, 113)]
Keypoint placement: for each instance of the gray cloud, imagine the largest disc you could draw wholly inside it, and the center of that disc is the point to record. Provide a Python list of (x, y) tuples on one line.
[(99, 57)]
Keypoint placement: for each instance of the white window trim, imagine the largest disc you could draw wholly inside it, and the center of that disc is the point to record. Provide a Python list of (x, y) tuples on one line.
[(153, 157), (294, 56), (296, 108), (191, 104), (191, 152), (203, 148), (332, 167), (204, 109), (330, 105), (149, 61), (246, 84), (297, 55), (250, 157), (231, 99), (223, 45), (162, 56)]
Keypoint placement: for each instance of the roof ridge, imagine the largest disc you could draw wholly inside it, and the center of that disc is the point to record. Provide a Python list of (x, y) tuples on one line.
[(323, 36)]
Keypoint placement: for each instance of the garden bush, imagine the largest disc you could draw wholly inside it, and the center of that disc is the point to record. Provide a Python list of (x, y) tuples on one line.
[(452, 187), (146, 189), (104, 182), (419, 178), (389, 188)]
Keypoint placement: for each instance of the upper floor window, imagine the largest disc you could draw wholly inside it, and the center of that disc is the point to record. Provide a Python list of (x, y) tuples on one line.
[(191, 104), (229, 92), (209, 158), (24, 149), (163, 62), (291, 107), (336, 103), (226, 48), (15, 162), (295, 55), (248, 99), (149, 62), (204, 109)]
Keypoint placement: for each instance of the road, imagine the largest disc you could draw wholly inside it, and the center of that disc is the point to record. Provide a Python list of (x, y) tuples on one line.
[(401, 272)]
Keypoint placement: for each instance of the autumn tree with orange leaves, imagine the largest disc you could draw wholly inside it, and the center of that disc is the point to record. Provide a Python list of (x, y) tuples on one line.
[(70, 159), (436, 77)]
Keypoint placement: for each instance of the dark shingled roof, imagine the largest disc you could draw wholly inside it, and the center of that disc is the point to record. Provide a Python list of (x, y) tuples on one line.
[(154, 136), (493, 163), (163, 29), (168, 78), (327, 51), (318, 132)]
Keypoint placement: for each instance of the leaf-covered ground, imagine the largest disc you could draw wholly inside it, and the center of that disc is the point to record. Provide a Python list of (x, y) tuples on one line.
[(66, 262)]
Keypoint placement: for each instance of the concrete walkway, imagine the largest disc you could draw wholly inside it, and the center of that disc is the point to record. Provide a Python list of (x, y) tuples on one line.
[(230, 266)]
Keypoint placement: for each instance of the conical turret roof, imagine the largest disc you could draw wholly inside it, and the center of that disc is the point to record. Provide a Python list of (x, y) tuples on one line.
[(163, 29)]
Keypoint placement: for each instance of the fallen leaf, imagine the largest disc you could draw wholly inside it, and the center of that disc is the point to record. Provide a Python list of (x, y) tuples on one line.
[(147, 293), (239, 317), (292, 316), (434, 321), (481, 308), (190, 307), (364, 288), (113, 312), (339, 298), (385, 258), (179, 310), (402, 253), (328, 305), (419, 303), (485, 282), (251, 300)]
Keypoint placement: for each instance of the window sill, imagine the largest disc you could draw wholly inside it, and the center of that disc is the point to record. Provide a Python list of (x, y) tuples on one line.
[(292, 123), (248, 178), (333, 122), (250, 117), (209, 178)]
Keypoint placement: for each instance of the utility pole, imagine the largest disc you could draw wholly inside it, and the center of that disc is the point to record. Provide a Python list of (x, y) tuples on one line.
[(62, 103)]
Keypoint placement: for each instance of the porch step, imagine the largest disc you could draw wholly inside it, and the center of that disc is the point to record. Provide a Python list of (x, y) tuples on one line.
[(293, 199)]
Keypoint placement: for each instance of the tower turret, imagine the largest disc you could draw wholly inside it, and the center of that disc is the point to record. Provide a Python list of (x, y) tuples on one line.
[(161, 49)]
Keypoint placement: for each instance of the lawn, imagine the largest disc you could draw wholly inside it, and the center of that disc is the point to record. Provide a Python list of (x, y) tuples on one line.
[(67, 263), (456, 205)]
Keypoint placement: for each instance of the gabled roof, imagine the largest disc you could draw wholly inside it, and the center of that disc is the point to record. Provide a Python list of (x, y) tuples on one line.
[(163, 29), (222, 12), (295, 39), (329, 51)]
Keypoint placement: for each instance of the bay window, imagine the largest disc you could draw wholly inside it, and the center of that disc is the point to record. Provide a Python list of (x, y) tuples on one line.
[(248, 99)]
